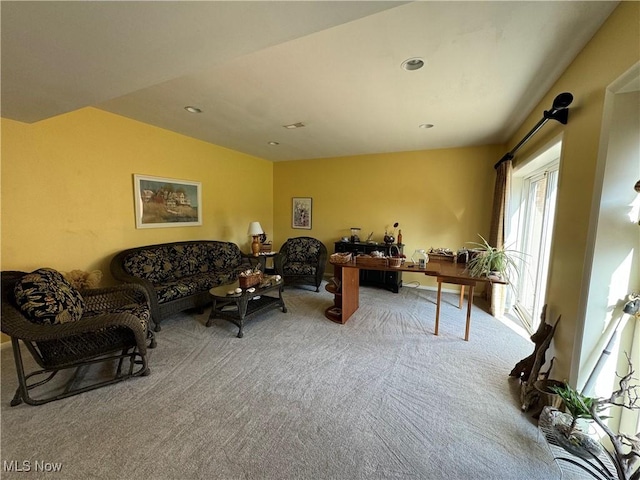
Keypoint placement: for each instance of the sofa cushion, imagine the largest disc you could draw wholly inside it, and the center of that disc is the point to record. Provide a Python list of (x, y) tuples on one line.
[(193, 284), (183, 269), (153, 265), (139, 310), (47, 298), (225, 256), (189, 259), (174, 289)]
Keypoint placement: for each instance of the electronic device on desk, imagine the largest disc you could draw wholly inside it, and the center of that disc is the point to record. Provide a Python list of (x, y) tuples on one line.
[(462, 256)]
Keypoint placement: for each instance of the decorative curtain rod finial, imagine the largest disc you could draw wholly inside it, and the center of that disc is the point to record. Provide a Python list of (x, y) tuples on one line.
[(559, 112)]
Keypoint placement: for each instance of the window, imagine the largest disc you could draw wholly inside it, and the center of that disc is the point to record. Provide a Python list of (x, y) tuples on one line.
[(536, 198)]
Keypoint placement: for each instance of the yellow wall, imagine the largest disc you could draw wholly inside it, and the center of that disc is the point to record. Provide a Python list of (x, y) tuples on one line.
[(67, 189), (612, 51), (440, 198)]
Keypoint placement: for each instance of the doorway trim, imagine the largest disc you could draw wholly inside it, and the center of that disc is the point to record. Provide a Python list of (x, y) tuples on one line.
[(627, 82)]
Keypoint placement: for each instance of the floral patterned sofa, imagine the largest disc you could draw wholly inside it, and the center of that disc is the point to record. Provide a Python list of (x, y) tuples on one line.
[(179, 275)]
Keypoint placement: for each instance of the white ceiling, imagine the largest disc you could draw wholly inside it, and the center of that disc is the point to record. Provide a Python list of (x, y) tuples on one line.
[(253, 67)]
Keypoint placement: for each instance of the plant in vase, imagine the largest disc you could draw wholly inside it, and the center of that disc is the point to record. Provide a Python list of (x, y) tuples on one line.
[(495, 264), (579, 406), (625, 456), (488, 261)]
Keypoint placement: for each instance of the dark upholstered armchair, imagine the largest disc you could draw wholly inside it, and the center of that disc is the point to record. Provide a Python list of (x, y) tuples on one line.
[(64, 328), (302, 260)]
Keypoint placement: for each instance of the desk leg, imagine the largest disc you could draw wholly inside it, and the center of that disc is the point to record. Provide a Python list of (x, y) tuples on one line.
[(438, 307), (461, 296), (466, 331)]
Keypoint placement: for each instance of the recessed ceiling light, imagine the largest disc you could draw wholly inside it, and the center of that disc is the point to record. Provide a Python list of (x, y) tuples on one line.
[(191, 109), (411, 64), (294, 125), (426, 125), (274, 143)]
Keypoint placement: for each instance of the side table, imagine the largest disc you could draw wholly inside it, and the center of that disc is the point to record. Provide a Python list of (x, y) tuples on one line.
[(267, 262)]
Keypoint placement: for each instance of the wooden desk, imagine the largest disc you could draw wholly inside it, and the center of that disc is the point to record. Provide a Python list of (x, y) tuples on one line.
[(346, 297)]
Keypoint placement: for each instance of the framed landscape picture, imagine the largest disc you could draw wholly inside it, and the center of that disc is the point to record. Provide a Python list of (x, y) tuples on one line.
[(167, 202), (301, 213)]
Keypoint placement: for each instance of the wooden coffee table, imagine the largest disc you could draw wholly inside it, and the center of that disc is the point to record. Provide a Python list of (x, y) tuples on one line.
[(238, 306)]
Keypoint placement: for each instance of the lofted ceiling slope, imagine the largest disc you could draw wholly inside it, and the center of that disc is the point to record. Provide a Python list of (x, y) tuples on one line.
[(253, 67)]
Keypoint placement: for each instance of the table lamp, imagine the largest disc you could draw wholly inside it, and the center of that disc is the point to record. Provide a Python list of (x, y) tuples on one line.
[(255, 230)]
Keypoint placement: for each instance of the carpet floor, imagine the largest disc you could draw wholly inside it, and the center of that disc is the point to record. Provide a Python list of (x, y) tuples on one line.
[(299, 397)]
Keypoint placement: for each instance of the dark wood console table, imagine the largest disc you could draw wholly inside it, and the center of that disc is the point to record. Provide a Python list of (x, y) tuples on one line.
[(389, 279), (347, 293)]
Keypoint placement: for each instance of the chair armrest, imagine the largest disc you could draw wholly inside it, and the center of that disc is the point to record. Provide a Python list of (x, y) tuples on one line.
[(100, 299), (278, 262), (119, 274), (16, 325)]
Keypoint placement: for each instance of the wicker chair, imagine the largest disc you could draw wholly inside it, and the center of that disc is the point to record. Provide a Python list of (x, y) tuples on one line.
[(302, 260), (112, 328)]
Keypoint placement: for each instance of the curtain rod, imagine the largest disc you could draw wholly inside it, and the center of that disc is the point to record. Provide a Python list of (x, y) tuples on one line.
[(559, 112)]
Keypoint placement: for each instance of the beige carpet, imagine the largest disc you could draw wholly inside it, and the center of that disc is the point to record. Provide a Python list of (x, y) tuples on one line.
[(299, 397)]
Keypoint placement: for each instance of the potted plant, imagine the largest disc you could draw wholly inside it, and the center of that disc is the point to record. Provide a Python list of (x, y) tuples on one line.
[(488, 261), (546, 388), (624, 457), (495, 264), (579, 405)]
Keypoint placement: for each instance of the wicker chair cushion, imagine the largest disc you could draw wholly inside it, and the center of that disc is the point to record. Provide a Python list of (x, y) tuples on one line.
[(299, 268), (47, 298), (303, 250), (140, 310)]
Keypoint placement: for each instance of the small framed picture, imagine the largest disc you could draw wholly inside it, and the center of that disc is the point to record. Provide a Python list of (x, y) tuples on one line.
[(301, 213)]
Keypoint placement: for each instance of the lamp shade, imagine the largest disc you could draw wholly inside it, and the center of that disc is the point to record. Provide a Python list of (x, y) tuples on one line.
[(255, 229)]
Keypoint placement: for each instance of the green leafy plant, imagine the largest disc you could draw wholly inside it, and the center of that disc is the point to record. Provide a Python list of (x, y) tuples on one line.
[(488, 260), (579, 406), (625, 455)]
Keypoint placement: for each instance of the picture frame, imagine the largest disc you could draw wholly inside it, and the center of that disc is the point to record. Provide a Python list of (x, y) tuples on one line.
[(167, 202), (301, 211)]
